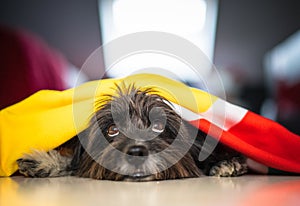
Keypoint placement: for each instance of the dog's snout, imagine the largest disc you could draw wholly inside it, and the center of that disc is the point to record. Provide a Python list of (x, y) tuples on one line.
[(137, 154)]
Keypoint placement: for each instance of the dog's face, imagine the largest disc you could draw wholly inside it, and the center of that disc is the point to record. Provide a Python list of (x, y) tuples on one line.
[(137, 136)]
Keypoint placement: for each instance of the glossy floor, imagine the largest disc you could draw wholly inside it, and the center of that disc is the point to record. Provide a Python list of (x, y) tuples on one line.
[(244, 191)]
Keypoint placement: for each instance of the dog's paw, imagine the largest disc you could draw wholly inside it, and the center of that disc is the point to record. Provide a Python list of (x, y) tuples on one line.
[(44, 164), (229, 168), (31, 168)]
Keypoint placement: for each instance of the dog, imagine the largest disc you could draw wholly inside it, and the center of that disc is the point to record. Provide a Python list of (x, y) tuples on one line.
[(135, 135)]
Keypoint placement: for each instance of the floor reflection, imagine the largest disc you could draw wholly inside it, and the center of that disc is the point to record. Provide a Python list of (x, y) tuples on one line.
[(276, 194), (246, 190)]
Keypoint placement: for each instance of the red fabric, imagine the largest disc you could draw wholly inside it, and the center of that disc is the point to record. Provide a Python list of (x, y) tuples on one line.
[(262, 140), (27, 65)]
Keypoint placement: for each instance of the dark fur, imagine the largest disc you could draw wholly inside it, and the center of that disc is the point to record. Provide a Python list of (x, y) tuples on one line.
[(135, 132)]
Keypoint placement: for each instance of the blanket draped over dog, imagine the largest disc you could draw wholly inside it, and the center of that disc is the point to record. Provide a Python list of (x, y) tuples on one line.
[(49, 118)]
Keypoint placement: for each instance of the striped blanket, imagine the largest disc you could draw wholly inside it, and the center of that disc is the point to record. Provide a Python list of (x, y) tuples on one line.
[(49, 118)]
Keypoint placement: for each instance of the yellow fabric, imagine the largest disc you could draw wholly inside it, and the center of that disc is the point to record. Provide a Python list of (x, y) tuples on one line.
[(49, 118)]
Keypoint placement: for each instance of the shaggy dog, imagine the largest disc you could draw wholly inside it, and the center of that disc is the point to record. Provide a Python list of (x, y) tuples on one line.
[(135, 135)]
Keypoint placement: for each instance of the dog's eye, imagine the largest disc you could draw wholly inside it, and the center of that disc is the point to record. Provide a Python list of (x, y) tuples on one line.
[(158, 127), (113, 131)]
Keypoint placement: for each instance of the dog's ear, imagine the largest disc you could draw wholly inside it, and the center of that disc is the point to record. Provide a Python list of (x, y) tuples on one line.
[(77, 153)]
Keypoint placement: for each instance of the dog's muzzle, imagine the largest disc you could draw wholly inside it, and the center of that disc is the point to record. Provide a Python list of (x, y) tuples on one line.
[(136, 155)]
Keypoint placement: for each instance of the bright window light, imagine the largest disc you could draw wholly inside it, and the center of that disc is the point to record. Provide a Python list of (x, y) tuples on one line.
[(186, 16), (194, 20)]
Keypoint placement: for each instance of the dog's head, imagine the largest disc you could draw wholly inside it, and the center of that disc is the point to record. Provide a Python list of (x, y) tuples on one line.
[(136, 135)]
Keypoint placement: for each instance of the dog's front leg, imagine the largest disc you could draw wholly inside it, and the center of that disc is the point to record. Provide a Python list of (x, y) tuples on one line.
[(45, 164), (233, 167)]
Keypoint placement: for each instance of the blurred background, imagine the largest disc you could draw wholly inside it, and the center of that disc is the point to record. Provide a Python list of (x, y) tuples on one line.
[(254, 44)]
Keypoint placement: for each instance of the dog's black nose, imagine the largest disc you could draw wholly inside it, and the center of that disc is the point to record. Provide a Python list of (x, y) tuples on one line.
[(137, 154), (138, 150)]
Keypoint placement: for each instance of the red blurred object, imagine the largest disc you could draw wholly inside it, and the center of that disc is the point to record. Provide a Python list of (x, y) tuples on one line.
[(27, 65), (282, 72), (288, 97)]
